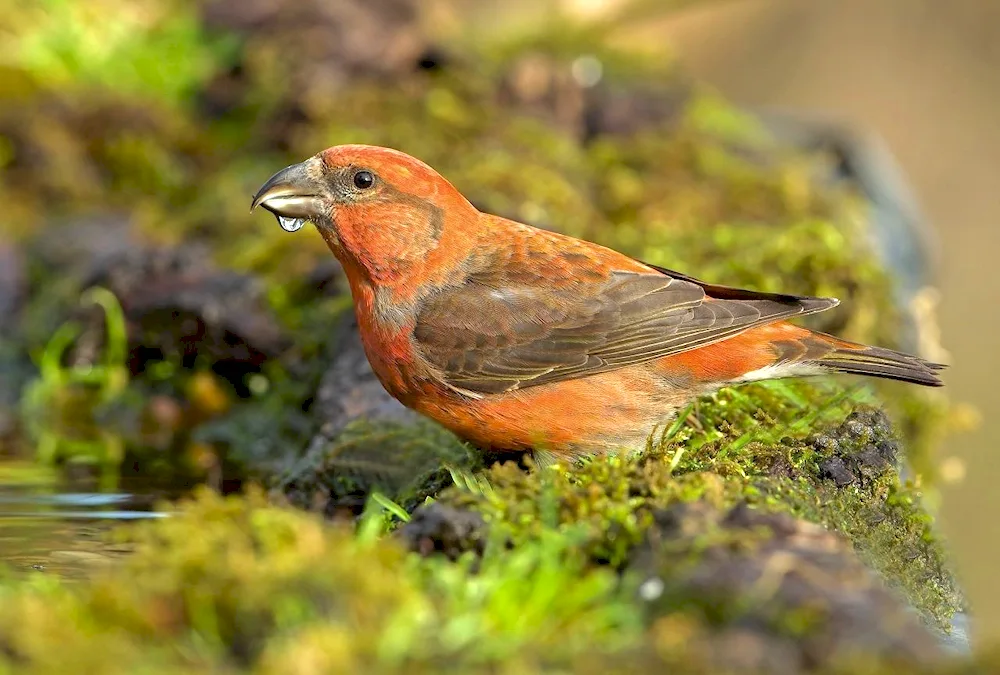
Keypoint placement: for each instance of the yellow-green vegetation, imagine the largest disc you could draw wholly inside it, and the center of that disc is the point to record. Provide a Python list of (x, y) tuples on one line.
[(60, 407), (239, 585), (155, 49), (236, 585)]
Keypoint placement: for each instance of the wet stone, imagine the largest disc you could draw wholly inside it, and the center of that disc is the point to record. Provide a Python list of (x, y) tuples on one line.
[(177, 302)]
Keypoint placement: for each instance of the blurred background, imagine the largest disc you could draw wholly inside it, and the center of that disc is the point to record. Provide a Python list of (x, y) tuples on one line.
[(142, 127)]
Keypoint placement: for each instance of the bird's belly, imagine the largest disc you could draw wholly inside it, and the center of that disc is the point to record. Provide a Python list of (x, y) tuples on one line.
[(608, 412)]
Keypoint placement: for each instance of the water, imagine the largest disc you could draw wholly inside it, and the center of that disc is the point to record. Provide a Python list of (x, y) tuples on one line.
[(289, 224), (59, 527), (959, 641)]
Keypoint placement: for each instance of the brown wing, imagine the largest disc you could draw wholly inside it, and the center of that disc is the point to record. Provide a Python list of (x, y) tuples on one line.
[(488, 338)]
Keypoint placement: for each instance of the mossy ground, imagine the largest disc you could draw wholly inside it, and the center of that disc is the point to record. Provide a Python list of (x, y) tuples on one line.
[(233, 585), (240, 585), (91, 128)]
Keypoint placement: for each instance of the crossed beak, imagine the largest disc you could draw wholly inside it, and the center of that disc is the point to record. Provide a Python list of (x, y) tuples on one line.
[(292, 194)]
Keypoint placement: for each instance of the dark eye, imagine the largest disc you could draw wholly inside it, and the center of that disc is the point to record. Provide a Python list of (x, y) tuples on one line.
[(364, 180)]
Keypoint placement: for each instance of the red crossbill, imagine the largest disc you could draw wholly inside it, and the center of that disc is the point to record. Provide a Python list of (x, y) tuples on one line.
[(519, 338)]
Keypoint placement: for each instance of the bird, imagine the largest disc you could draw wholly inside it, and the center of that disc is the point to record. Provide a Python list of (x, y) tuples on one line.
[(522, 339)]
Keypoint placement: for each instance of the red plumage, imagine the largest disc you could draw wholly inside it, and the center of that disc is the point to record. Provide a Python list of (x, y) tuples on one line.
[(520, 338)]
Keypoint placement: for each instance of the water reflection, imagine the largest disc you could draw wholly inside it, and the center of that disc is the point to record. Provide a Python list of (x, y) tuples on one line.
[(49, 525)]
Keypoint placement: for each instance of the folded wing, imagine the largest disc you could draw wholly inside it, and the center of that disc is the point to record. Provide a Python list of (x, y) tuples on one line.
[(487, 337)]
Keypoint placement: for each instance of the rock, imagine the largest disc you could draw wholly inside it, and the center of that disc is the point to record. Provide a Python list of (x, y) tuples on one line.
[(367, 441), (863, 445), (337, 42), (439, 528), (83, 246), (178, 302), (772, 593), (405, 462), (13, 285), (349, 389), (374, 37), (620, 111), (178, 307), (834, 469)]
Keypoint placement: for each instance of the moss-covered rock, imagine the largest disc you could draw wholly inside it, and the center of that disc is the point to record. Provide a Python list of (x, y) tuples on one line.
[(408, 462), (734, 457), (688, 181)]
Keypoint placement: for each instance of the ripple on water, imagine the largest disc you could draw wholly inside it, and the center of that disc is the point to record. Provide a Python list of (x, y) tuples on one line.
[(59, 529)]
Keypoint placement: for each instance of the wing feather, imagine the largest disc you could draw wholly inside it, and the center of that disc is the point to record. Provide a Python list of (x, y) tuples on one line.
[(487, 337)]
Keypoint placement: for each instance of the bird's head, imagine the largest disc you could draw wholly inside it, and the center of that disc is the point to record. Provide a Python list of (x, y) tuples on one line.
[(378, 208)]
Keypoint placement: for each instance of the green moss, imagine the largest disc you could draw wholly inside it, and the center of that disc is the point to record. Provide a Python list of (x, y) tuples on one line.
[(239, 585), (713, 116), (234, 585), (760, 443)]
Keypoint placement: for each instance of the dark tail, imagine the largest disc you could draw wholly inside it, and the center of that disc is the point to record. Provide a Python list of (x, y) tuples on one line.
[(847, 357)]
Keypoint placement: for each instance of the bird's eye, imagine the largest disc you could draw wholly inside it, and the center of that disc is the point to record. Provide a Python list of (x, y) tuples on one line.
[(364, 180)]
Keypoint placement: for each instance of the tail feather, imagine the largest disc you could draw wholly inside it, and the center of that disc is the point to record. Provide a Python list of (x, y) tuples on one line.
[(847, 357)]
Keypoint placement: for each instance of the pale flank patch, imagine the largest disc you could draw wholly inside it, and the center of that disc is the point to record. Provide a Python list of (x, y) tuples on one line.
[(779, 370)]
